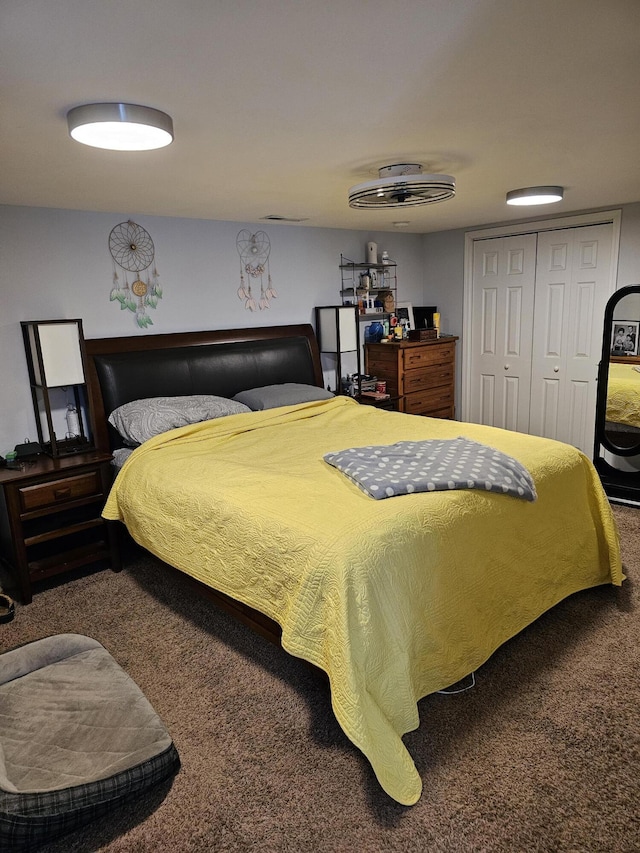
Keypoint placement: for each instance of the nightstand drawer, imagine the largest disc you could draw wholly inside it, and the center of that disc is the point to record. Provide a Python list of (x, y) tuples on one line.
[(60, 491)]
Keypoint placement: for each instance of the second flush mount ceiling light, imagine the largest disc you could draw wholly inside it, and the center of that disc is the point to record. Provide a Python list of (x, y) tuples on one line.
[(535, 195)]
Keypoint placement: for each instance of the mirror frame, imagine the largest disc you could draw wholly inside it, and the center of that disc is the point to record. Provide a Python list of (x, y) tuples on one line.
[(618, 484), (603, 377)]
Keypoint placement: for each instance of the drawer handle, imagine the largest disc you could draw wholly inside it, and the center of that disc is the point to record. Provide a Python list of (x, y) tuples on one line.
[(61, 494)]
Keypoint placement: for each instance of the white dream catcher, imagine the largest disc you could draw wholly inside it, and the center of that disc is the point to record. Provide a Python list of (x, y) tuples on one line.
[(254, 251), (132, 250)]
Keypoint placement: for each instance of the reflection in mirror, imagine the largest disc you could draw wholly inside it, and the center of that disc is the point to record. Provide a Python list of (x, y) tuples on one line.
[(617, 445), (622, 425)]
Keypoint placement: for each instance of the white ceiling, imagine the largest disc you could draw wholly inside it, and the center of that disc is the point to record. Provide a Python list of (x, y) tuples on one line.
[(279, 106)]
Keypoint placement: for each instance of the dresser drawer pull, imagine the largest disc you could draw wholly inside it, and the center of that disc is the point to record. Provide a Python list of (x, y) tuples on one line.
[(62, 494)]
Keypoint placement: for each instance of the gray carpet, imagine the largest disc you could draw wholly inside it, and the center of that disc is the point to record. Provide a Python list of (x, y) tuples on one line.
[(542, 755)]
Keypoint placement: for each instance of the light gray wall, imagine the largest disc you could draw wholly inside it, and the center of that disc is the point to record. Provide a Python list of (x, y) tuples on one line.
[(55, 264), (443, 261)]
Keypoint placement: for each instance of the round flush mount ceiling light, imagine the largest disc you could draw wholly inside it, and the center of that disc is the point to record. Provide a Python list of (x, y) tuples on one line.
[(120, 127), (535, 195), (402, 185)]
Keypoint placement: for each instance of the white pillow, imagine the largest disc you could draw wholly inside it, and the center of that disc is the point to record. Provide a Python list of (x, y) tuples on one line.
[(140, 420)]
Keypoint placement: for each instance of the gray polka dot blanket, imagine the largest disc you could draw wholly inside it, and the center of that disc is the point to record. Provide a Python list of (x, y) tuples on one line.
[(386, 471)]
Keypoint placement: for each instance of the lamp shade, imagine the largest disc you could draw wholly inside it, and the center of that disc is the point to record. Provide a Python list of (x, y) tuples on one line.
[(120, 127), (56, 354), (337, 328), (338, 332), (56, 371)]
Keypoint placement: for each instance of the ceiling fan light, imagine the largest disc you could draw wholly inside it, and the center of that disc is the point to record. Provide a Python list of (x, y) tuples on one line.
[(535, 195), (120, 127), (402, 185)]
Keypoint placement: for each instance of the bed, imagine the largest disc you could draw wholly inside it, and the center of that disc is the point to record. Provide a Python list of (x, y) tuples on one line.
[(393, 599)]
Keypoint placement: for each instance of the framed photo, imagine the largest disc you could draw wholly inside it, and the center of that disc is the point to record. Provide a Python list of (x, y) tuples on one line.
[(624, 337), (404, 313)]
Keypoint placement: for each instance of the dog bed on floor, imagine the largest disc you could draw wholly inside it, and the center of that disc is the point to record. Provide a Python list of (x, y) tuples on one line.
[(77, 737)]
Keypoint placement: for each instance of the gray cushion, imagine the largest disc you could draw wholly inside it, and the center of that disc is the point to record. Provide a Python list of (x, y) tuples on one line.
[(287, 394), (77, 736)]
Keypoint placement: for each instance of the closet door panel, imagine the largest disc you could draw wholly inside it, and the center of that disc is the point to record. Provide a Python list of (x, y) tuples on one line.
[(503, 302), (548, 413), (572, 287)]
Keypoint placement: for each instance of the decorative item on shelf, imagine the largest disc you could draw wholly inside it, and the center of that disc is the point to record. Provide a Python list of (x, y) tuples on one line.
[(54, 350), (422, 334), (132, 250), (376, 331), (254, 251), (404, 312), (338, 333), (372, 253)]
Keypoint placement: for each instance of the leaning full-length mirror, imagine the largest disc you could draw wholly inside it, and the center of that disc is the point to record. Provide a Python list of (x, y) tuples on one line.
[(617, 435)]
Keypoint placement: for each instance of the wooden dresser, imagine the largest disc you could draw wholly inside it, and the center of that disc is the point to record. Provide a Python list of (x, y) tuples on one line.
[(421, 374)]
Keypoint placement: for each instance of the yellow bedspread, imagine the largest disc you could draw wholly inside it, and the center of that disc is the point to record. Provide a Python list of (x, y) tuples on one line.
[(623, 395), (393, 599)]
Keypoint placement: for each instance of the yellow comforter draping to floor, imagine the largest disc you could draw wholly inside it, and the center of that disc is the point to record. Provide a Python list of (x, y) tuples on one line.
[(623, 395), (393, 599)]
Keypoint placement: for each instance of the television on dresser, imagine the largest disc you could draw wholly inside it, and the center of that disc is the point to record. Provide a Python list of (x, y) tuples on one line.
[(423, 316)]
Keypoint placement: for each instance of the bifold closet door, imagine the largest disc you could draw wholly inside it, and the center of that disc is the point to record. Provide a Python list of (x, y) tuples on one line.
[(504, 270), (572, 287)]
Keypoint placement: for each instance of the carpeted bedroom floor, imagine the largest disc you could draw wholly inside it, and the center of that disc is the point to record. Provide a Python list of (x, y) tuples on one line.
[(542, 755)]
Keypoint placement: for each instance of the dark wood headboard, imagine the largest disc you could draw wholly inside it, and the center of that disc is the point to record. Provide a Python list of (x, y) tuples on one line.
[(222, 362)]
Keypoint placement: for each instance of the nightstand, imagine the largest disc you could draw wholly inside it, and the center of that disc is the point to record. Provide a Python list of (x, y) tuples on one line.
[(50, 519), (391, 404)]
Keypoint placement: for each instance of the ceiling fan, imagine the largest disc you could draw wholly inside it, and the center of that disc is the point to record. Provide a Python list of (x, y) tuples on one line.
[(402, 185)]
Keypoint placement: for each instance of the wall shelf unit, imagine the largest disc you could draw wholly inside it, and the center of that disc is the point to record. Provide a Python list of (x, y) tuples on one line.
[(363, 284)]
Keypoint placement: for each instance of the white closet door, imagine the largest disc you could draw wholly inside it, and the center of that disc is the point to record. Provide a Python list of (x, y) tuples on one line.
[(572, 288), (503, 302)]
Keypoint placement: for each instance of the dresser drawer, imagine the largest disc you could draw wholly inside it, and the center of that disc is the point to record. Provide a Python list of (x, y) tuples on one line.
[(60, 491), (426, 356), (429, 402), (425, 379)]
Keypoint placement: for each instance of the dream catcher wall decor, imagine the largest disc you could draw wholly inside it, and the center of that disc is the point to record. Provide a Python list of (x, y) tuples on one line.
[(254, 251), (132, 250)]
